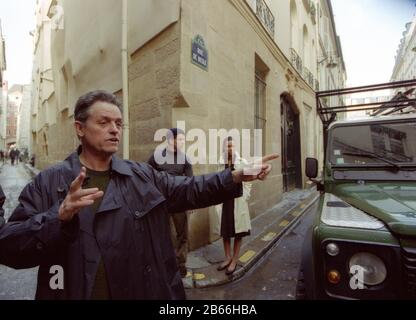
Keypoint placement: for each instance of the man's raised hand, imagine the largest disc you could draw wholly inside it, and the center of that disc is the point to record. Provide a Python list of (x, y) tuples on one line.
[(78, 198)]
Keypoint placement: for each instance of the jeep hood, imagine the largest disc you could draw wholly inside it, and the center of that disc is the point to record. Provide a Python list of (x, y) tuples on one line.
[(394, 204)]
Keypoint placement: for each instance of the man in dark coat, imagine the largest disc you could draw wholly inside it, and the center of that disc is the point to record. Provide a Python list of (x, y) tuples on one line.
[(97, 226), (176, 164), (13, 155), (2, 200), (2, 156)]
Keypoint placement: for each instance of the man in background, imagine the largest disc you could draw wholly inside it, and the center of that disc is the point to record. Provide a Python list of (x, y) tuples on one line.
[(173, 154)]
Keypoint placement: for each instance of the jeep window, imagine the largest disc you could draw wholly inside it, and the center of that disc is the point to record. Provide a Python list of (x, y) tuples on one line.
[(391, 144)]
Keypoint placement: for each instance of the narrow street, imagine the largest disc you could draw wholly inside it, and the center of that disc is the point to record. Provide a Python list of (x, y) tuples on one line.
[(15, 284), (273, 278), (243, 118)]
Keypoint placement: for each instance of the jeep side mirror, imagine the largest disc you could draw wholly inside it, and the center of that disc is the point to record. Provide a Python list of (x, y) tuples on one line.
[(311, 168)]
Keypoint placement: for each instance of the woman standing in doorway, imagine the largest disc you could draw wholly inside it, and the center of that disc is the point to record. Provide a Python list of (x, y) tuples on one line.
[(235, 216)]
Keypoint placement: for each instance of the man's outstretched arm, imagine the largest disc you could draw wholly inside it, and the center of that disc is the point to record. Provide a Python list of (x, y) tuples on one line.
[(186, 193)]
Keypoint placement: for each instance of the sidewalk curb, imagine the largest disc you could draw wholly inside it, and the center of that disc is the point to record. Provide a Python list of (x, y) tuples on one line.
[(209, 276)]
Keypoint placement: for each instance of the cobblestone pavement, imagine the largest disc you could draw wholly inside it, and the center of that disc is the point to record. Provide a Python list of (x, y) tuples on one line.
[(15, 284)]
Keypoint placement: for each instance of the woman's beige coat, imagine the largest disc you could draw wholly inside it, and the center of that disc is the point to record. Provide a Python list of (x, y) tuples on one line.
[(242, 221)]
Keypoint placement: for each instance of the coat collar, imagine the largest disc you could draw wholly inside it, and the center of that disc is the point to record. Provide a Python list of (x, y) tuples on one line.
[(118, 165)]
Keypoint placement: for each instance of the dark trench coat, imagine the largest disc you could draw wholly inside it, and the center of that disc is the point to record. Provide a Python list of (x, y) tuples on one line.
[(2, 200), (131, 227)]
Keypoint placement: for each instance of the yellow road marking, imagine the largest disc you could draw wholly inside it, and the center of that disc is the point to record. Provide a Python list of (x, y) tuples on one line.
[(284, 223), (269, 236), (199, 276), (295, 213), (188, 274), (247, 256)]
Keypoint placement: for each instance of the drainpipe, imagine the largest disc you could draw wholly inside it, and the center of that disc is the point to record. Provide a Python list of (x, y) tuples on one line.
[(124, 55)]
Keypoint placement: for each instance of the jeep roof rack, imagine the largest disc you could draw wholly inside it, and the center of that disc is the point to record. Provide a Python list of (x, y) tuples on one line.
[(401, 100)]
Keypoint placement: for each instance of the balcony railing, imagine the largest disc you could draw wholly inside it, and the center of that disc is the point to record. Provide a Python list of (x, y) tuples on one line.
[(296, 60), (265, 15), (308, 76), (303, 71)]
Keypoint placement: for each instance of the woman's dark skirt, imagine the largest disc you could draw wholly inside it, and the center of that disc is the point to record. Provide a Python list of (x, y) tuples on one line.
[(227, 221)]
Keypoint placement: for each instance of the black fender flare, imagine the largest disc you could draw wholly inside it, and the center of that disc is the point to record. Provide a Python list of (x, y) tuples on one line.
[(307, 265)]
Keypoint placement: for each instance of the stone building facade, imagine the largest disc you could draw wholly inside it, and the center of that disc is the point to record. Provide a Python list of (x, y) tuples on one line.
[(243, 64)]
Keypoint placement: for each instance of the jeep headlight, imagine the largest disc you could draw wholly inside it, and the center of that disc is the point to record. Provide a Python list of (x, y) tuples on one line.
[(369, 267)]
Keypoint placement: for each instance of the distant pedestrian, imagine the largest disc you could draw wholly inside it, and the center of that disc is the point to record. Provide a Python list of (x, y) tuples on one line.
[(32, 160), (2, 156), (17, 155), (12, 155)]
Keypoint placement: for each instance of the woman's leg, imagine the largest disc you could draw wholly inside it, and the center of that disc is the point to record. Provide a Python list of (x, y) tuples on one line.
[(236, 253), (227, 251)]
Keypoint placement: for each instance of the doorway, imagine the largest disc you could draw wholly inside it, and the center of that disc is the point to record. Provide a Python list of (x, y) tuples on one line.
[(291, 151)]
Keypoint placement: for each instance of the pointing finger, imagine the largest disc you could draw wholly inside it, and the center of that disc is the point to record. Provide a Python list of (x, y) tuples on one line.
[(270, 157)]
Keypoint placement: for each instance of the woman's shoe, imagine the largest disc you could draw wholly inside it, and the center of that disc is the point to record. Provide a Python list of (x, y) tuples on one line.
[(230, 272), (222, 267)]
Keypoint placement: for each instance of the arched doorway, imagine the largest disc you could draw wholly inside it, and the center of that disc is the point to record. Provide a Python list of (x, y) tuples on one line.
[(290, 135)]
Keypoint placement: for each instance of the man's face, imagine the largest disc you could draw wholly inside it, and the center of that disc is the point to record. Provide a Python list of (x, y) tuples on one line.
[(178, 143), (101, 132)]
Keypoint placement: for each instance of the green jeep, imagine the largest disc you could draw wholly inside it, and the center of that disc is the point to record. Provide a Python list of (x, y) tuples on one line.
[(362, 244)]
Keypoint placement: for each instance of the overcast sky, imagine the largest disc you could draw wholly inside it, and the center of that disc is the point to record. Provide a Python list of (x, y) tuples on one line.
[(17, 20), (370, 31)]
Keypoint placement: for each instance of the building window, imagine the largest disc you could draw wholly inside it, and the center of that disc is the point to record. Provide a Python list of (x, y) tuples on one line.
[(261, 71), (260, 108)]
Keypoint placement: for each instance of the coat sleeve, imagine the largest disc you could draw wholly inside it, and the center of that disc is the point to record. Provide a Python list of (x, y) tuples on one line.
[(188, 168), (34, 231), (246, 185), (152, 161), (186, 193), (2, 200)]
